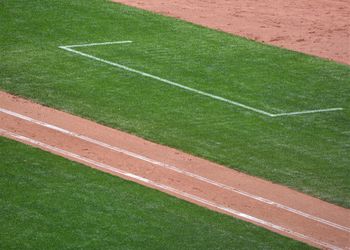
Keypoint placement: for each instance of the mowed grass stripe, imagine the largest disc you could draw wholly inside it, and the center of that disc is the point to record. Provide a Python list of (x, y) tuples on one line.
[(308, 153), (50, 202)]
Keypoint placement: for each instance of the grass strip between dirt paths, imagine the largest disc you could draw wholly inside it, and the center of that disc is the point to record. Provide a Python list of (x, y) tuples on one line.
[(309, 153)]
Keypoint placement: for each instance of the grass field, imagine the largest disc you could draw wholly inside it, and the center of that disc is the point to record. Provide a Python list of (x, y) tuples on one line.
[(309, 152), (49, 202)]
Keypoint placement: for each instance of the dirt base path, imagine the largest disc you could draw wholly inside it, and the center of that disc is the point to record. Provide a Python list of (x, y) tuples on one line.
[(272, 206), (316, 27)]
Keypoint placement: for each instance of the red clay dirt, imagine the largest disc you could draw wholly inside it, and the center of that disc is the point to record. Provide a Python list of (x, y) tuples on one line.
[(302, 217), (315, 27)]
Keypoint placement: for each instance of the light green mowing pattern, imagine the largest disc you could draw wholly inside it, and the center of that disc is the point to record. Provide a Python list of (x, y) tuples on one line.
[(47, 202), (308, 152)]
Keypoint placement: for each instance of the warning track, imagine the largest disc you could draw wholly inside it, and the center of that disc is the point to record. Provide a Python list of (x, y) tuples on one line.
[(272, 206)]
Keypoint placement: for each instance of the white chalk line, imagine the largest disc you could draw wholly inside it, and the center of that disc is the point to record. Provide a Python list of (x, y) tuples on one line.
[(176, 169), (96, 44), (308, 112), (141, 179), (166, 81), (219, 98)]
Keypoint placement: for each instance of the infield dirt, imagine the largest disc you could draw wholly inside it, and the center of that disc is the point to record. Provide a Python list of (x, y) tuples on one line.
[(297, 224), (315, 27)]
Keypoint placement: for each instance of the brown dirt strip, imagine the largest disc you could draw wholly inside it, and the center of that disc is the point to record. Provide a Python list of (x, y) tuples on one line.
[(272, 206), (315, 27)]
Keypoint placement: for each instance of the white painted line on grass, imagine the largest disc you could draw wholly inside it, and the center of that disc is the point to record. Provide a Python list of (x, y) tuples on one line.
[(176, 169), (141, 179), (96, 44), (308, 112), (219, 98), (166, 81)]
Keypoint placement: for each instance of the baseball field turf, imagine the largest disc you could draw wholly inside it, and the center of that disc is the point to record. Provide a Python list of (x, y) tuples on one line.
[(308, 152)]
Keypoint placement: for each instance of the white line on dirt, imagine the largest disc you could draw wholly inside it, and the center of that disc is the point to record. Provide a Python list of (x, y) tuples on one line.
[(176, 169), (141, 179), (219, 98)]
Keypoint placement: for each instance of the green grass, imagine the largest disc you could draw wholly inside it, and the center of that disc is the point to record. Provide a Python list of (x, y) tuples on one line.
[(309, 153), (48, 202)]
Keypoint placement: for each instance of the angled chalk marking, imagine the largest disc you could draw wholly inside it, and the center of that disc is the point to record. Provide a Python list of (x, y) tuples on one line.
[(69, 48)]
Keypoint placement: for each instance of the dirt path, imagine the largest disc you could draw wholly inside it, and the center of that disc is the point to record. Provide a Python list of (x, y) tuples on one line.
[(316, 27), (272, 206)]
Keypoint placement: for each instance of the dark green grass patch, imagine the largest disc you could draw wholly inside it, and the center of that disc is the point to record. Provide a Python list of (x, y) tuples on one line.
[(309, 152), (47, 202)]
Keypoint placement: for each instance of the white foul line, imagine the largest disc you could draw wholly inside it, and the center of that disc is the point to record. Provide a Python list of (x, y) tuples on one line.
[(219, 98), (141, 179), (176, 169)]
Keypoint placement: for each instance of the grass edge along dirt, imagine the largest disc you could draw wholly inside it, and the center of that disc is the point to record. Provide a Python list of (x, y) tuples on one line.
[(49, 201), (306, 153)]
